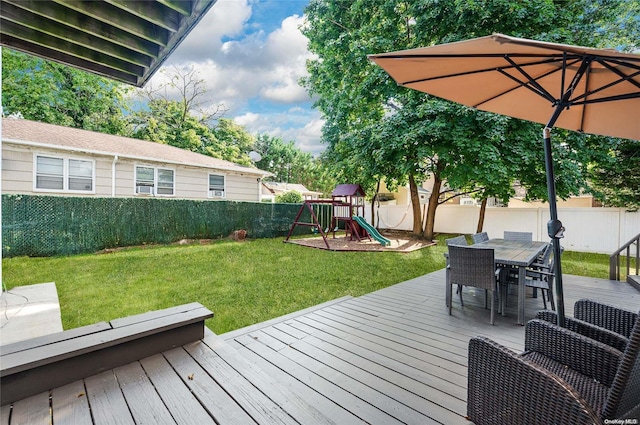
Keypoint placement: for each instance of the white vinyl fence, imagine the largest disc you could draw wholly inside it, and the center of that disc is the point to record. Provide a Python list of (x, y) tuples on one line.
[(600, 230)]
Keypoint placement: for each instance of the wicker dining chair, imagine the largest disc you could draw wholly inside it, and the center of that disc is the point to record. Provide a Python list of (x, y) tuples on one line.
[(458, 240), (518, 236), (472, 267), (539, 275), (480, 237), (602, 322), (561, 378)]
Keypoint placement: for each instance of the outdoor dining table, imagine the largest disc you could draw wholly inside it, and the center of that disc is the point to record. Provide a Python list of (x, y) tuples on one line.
[(518, 254)]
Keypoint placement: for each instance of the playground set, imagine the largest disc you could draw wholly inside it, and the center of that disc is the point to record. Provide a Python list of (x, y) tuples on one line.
[(346, 206)]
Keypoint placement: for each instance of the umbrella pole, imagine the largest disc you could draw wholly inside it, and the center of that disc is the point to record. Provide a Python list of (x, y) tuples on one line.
[(554, 226)]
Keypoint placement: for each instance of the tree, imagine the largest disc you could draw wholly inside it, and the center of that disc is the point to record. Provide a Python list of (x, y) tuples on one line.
[(291, 197), (46, 91), (375, 129), (177, 114), (290, 165), (615, 174), (184, 86), (236, 141)]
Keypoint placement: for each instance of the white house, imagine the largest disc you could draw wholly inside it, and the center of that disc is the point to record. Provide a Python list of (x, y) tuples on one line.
[(272, 189), (47, 159)]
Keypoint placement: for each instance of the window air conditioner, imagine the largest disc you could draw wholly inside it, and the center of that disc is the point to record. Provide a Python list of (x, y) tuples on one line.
[(216, 193), (145, 190)]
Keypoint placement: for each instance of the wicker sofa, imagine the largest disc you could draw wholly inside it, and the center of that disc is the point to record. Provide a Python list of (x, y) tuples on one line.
[(561, 378)]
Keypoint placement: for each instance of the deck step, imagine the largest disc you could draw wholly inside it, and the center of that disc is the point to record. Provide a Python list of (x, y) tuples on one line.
[(634, 280), (32, 366)]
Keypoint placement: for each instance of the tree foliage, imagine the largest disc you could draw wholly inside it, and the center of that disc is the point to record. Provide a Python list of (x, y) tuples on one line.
[(176, 114), (375, 129), (290, 165), (290, 197), (614, 174), (47, 91)]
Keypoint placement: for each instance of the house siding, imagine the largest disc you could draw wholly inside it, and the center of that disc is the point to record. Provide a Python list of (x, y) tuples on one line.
[(17, 170), (189, 182)]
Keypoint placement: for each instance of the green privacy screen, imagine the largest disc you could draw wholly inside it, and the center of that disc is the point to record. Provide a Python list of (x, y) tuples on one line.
[(55, 225)]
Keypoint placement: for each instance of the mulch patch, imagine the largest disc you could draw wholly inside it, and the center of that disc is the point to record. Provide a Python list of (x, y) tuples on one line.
[(400, 242)]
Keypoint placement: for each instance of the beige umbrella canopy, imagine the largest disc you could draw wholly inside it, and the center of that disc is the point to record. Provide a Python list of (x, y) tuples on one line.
[(527, 79), (577, 88)]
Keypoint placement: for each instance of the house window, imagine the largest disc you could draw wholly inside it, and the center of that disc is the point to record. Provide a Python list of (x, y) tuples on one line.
[(165, 182), (64, 174), (216, 186), (154, 181)]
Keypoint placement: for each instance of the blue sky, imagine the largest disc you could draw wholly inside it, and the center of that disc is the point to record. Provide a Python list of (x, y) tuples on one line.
[(251, 54)]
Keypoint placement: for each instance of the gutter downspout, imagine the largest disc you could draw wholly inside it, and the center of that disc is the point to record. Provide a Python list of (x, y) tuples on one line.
[(113, 176)]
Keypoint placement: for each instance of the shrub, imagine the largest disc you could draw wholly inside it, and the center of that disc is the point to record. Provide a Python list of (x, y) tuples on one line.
[(291, 197)]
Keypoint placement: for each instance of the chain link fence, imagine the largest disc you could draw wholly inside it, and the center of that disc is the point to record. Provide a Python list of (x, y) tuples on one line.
[(53, 225)]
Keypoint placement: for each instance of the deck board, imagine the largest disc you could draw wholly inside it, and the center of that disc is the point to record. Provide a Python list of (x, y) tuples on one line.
[(333, 412), (379, 393), (144, 402), (32, 410), (281, 395), (360, 408), (108, 405), (215, 400), (260, 407), (69, 405), (393, 356), (184, 408)]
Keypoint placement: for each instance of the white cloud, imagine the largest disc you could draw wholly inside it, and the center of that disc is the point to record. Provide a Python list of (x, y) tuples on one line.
[(225, 18), (239, 66), (304, 127), (256, 66), (247, 120)]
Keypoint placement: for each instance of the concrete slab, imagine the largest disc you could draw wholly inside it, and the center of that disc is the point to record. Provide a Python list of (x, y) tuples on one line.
[(28, 312)]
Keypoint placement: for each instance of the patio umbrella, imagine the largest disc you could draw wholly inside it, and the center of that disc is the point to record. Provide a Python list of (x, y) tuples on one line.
[(577, 88)]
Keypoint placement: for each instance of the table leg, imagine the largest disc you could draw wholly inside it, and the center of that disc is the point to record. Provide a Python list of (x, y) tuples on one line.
[(521, 281)]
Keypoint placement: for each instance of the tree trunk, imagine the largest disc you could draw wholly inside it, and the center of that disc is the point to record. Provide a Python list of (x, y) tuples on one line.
[(373, 205), (431, 208), (415, 204), (483, 209)]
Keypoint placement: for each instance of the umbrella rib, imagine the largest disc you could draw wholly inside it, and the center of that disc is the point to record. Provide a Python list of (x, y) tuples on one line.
[(585, 94), (544, 94), (477, 71), (628, 78), (520, 84), (541, 90), (625, 96), (550, 56)]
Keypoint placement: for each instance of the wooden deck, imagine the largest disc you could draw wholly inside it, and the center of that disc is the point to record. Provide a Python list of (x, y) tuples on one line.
[(389, 357)]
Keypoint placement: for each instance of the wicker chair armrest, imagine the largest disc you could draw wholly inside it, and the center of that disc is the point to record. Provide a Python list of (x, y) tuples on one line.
[(578, 352), (606, 316), (504, 388), (603, 335)]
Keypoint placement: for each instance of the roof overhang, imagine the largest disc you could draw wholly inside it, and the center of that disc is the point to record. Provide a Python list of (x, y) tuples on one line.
[(119, 39)]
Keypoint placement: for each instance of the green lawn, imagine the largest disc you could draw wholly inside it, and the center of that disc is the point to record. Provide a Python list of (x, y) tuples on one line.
[(241, 282)]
